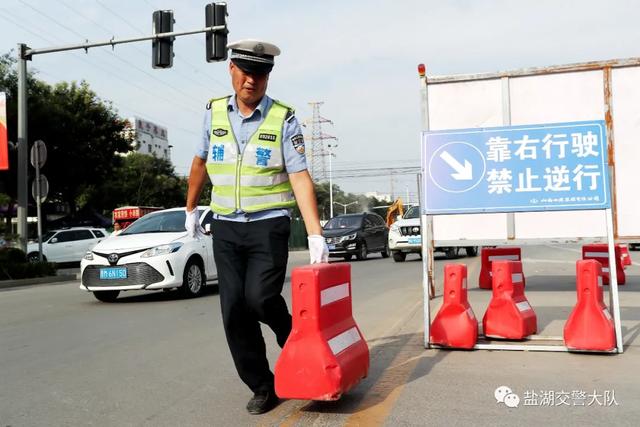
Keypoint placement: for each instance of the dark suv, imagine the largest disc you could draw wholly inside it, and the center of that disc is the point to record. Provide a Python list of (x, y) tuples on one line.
[(356, 234)]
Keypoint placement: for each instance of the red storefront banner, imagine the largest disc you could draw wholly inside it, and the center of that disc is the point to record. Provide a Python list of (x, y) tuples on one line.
[(4, 149)]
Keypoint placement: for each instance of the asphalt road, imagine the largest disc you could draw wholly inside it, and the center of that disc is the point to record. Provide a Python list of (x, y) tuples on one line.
[(153, 359)]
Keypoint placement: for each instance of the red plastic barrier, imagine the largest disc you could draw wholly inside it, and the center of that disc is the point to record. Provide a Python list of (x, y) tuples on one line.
[(626, 256), (600, 252), (455, 325), (325, 354), (509, 314), (489, 255), (589, 326)]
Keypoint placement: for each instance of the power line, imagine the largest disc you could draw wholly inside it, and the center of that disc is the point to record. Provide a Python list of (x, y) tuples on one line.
[(123, 19), (142, 115), (170, 100)]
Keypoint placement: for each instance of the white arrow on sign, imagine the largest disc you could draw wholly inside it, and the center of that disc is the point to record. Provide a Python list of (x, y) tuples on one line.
[(463, 173)]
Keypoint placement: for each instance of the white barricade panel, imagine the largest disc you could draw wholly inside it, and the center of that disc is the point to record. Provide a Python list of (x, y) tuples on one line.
[(470, 227), (557, 98), (626, 126), (532, 225), (482, 106)]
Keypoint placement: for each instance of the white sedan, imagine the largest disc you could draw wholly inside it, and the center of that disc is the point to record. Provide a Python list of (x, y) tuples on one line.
[(153, 253)]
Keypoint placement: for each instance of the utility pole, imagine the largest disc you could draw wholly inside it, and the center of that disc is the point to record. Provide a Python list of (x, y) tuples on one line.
[(392, 192), (331, 179), (346, 205), (318, 166)]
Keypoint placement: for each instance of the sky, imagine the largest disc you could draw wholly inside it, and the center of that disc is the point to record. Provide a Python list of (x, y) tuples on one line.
[(357, 57)]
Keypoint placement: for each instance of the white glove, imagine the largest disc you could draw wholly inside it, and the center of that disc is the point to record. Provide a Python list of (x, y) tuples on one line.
[(192, 223), (318, 249)]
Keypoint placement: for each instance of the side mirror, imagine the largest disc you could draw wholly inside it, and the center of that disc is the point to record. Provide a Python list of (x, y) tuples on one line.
[(398, 217), (54, 240)]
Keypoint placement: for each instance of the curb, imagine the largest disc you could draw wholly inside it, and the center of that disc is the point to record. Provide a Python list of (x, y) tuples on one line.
[(6, 284)]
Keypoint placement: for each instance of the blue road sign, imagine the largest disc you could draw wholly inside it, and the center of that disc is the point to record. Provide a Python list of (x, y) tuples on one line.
[(561, 166)]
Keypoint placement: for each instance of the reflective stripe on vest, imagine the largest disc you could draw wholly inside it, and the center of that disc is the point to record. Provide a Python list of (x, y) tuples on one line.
[(255, 179)]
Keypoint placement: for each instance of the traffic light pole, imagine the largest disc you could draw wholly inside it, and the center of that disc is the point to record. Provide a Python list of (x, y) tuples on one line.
[(23, 149), (86, 46), (25, 54)]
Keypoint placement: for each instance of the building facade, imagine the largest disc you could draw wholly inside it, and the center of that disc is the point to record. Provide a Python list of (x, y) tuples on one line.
[(150, 138)]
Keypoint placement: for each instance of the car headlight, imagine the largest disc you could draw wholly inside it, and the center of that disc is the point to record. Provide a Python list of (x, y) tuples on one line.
[(162, 250), (349, 237), (395, 227), (88, 256)]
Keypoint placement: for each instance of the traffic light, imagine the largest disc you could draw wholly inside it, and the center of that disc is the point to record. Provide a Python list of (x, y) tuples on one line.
[(215, 15), (162, 49)]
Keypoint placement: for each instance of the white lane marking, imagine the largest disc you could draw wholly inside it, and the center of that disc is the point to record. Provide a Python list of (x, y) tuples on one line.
[(344, 340), (334, 293), (606, 313)]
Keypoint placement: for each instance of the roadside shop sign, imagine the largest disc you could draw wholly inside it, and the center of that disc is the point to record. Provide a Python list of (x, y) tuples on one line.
[(4, 149)]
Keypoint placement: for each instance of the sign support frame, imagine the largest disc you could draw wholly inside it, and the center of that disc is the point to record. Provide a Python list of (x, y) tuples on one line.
[(428, 242)]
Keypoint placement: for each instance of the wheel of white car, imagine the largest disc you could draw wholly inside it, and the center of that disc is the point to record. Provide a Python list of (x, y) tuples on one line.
[(35, 257), (399, 256), (192, 279)]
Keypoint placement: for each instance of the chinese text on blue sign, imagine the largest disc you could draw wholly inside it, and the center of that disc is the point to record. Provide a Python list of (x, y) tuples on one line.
[(516, 169)]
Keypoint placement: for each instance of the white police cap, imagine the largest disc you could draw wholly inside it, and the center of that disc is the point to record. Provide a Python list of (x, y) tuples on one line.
[(253, 56)]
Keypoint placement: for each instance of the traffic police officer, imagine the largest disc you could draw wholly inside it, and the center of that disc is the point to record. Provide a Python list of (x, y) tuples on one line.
[(253, 151)]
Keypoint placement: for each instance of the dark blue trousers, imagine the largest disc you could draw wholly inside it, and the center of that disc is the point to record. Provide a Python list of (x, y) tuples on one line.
[(251, 258)]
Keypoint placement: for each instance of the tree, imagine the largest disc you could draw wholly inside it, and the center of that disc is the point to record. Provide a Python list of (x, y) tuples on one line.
[(140, 180), (83, 133)]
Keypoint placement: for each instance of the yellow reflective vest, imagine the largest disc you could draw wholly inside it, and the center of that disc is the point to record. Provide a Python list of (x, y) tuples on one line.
[(255, 179)]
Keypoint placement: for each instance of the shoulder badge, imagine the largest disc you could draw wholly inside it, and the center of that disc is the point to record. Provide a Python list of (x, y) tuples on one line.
[(297, 141)]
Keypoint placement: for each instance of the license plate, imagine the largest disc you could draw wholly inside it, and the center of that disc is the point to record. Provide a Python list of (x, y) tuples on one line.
[(113, 273), (332, 247), (414, 240)]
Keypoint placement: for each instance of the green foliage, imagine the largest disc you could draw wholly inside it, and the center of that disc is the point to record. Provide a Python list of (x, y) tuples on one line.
[(363, 203), (14, 265), (12, 256), (139, 180), (82, 132)]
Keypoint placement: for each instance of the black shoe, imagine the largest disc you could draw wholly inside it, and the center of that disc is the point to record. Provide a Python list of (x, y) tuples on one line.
[(262, 401)]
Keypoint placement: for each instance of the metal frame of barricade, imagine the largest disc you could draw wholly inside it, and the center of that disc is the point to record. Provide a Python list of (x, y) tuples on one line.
[(426, 221)]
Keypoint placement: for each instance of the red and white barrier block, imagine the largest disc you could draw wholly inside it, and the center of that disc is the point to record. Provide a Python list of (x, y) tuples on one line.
[(626, 256), (455, 325), (589, 326), (600, 252), (509, 314), (488, 255), (326, 354)]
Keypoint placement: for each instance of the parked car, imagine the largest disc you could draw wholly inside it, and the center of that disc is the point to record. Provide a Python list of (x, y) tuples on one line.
[(66, 245), (356, 234), (405, 238), (155, 252)]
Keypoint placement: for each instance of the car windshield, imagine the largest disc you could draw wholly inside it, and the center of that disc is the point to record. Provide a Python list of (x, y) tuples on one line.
[(163, 222), (339, 222), (413, 212)]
